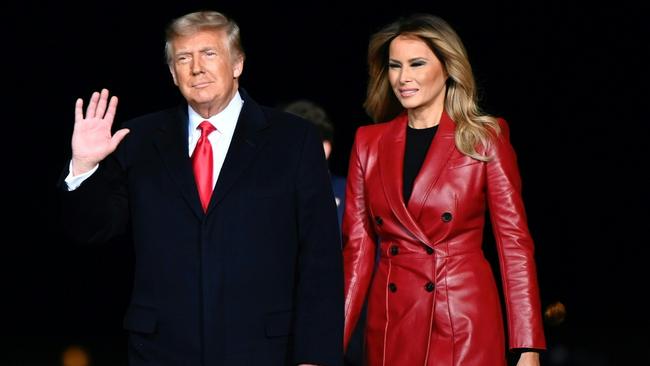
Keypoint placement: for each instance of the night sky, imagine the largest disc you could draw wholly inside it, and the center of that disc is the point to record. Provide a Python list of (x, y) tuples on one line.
[(572, 81)]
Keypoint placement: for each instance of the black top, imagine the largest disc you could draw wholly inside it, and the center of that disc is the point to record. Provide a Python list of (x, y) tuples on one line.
[(417, 145)]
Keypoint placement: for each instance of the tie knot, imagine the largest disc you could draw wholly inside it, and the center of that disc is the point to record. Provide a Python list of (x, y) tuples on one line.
[(206, 128)]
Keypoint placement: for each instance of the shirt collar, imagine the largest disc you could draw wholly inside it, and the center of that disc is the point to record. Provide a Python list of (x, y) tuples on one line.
[(224, 121)]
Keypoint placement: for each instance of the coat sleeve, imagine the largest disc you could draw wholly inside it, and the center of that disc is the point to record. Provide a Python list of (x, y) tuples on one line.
[(358, 239), (98, 209), (514, 245), (318, 327)]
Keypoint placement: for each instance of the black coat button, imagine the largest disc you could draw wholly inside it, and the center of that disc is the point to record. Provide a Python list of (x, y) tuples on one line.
[(429, 250), (429, 286), (394, 250), (392, 287), (379, 220), (446, 217)]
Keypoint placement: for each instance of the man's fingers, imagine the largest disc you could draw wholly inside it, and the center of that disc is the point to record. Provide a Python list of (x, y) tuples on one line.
[(118, 137), (101, 105), (92, 105), (78, 110), (97, 107), (112, 106)]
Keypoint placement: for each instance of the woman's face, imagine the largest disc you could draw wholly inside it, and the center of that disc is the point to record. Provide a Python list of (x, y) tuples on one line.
[(415, 73)]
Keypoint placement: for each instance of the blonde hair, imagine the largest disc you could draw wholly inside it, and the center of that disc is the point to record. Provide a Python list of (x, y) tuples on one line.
[(203, 20), (473, 127)]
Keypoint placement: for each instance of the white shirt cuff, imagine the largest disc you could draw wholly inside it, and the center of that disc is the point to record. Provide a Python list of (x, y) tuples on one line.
[(73, 182)]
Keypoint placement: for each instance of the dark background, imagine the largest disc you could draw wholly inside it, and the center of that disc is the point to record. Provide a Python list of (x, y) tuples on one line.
[(571, 79)]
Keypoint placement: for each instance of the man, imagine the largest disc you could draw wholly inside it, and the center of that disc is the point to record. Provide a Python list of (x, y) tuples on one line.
[(237, 247), (317, 115)]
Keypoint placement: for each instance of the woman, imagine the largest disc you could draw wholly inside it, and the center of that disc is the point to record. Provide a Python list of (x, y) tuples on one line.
[(420, 201)]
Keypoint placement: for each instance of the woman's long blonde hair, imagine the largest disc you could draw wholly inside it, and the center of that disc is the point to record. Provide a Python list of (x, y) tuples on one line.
[(473, 127)]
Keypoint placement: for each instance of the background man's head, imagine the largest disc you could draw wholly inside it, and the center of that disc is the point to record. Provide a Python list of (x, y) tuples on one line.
[(316, 115)]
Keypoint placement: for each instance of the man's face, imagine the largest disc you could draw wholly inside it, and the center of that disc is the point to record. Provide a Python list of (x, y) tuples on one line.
[(205, 70)]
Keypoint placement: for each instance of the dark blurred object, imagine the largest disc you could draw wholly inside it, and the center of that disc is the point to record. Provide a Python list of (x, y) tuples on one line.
[(555, 313), (75, 355)]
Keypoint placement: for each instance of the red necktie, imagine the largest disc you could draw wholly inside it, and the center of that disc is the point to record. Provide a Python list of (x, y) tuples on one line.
[(203, 165)]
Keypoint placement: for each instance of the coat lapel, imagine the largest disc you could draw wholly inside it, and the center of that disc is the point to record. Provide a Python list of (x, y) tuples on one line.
[(244, 146), (171, 142), (438, 154), (391, 167)]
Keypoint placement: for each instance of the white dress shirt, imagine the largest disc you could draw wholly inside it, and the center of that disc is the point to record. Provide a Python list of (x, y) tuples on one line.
[(224, 122)]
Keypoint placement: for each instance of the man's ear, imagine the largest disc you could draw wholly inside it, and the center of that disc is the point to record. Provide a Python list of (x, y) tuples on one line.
[(238, 67), (327, 146), (173, 72)]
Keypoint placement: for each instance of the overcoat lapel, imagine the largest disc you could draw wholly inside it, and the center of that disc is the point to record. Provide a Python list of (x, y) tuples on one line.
[(391, 164), (247, 139), (246, 142), (171, 143), (435, 161), (391, 167)]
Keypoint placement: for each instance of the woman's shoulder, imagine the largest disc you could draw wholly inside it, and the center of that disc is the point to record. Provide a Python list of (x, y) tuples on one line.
[(504, 129), (369, 134), (377, 129)]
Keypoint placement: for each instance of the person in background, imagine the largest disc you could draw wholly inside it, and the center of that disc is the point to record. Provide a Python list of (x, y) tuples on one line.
[(231, 210), (420, 183), (317, 115)]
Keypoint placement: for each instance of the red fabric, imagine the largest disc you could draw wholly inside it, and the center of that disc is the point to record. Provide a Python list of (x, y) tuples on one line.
[(432, 297), (202, 164)]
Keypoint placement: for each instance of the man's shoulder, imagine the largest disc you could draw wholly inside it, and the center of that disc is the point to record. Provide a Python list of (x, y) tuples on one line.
[(286, 122), (280, 116)]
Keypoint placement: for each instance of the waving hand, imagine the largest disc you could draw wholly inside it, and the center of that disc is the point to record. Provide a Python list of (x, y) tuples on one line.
[(92, 139)]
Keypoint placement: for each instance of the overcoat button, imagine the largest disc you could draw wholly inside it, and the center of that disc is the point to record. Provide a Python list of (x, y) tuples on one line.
[(394, 250), (392, 287), (429, 250), (379, 220), (429, 286), (446, 217)]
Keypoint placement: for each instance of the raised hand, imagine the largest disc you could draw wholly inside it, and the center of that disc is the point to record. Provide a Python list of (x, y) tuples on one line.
[(92, 139)]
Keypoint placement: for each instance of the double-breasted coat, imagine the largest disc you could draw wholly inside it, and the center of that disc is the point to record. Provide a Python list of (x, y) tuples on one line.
[(432, 296)]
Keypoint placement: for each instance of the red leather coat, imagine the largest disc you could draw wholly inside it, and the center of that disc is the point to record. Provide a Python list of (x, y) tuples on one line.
[(432, 298)]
